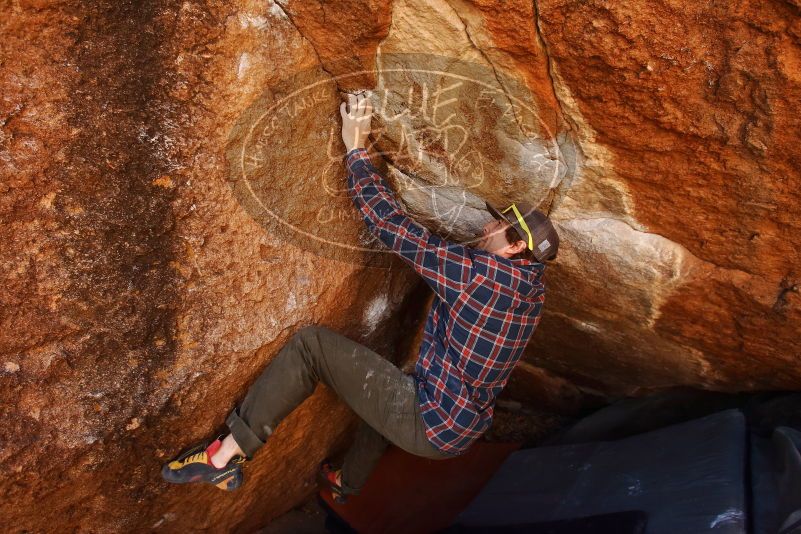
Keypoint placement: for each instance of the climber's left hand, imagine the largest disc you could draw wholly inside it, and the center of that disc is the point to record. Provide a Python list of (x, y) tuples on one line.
[(356, 116)]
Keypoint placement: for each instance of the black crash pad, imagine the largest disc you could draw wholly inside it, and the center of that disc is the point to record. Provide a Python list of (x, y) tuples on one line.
[(687, 477)]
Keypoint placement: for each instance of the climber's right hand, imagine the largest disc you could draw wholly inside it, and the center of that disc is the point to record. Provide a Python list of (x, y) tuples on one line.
[(356, 115)]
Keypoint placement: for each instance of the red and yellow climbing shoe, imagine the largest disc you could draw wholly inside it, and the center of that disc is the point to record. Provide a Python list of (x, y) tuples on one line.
[(330, 476), (194, 465)]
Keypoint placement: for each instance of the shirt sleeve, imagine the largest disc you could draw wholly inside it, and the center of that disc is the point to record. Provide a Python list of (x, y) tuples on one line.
[(446, 267)]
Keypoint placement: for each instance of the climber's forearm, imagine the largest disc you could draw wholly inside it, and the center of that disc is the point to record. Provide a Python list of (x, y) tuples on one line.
[(446, 267), (372, 195)]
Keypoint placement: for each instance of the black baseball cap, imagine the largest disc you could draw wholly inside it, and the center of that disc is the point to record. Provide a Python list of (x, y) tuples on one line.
[(533, 227)]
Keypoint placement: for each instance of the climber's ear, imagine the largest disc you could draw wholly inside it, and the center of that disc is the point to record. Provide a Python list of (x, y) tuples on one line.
[(518, 247), (514, 248)]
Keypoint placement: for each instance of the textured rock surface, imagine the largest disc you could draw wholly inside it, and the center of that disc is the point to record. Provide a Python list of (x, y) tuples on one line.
[(685, 112), (151, 256), (139, 297)]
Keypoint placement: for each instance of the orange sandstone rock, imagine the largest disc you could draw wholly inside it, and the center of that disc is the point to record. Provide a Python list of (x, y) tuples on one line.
[(173, 209)]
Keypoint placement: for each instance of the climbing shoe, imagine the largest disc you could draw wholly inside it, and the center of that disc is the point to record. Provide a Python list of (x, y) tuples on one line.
[(329, 476), (194, 465)]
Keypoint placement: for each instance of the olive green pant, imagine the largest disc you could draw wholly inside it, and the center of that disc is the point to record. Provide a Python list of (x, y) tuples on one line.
[(381, 394)]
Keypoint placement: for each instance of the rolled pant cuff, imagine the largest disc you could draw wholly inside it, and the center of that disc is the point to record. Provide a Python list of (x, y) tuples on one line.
[(247, 440), (347, 490)]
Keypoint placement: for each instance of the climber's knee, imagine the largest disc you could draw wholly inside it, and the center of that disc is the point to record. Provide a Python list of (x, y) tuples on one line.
[(307, 339), (309, 331), (309, 346)]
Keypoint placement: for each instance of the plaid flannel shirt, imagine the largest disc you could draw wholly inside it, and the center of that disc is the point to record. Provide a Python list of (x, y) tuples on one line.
[(484, 312)]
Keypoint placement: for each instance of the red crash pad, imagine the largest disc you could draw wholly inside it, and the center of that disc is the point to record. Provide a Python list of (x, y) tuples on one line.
[(410, 494)]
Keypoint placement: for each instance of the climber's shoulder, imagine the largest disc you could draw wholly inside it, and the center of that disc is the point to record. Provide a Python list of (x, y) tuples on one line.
[(521, 276)]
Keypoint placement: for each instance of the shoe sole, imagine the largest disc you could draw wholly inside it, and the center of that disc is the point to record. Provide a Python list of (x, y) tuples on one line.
[(229, 478), (224, 484)]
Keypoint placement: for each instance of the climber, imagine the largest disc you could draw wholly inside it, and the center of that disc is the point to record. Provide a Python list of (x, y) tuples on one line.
[(488, 299)]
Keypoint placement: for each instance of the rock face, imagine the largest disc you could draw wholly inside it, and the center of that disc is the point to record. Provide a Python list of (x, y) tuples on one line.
[(173, 209), (686, 112), (140, 298)]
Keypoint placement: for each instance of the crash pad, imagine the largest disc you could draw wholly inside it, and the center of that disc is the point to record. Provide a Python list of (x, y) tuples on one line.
[(688, 477), (408, 494)]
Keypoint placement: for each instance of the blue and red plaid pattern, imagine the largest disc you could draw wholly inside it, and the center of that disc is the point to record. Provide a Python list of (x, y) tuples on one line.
[(485, 310)]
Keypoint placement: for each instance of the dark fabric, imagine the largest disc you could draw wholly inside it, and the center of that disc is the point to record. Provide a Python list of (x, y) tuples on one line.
[(632, 416), (763, 411), (380, 393), (484, 313), (773, 419), (787, 444), (628, 522), (363, 455), (776, 482), (689, 477)]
